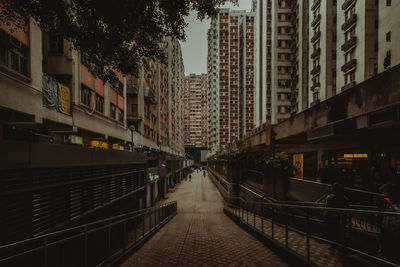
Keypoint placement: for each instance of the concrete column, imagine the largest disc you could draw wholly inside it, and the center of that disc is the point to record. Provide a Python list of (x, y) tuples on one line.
[(125, 105), (140, 100), (107, 99), (320, 159)]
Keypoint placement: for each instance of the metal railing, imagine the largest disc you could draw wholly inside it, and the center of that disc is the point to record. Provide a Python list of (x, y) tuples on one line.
[(307, 235), (94, 244)]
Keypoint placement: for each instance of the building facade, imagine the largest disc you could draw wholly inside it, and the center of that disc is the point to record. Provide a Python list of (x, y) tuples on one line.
[(49, 95), (263, 23), (357, 42), (322, 64), (281, 59), (195, 119), (388, 35), (155, 99), (231, 77), (289, 59)]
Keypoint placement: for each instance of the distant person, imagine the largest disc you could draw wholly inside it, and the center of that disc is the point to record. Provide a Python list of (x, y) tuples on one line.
[(335, 220), (390, 226), (190, 177), (204, 173)]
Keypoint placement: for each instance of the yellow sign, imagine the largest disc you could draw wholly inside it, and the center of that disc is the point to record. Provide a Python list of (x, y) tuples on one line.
[(298, 165), (361, 155), (100, 144), (117, 147), (64, 99)]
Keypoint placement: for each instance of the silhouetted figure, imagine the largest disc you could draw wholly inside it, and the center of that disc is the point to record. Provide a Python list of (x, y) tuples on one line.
[(390, 225), (204, 173), (336, 220), (190, 177)]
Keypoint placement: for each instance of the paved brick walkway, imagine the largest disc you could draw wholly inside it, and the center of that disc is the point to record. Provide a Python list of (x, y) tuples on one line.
[(319, 252), (201, 235)]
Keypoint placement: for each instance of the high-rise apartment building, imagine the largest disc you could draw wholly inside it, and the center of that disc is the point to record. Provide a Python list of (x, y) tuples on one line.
[(357, 42), (263, 22), (388, 35), (195, 118), (231, 77), (282, 59), (322, 65), (156, 102), (289, 58)]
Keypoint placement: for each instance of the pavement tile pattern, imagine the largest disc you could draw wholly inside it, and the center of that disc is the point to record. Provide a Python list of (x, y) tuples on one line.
[(201, 234), (319, 251)]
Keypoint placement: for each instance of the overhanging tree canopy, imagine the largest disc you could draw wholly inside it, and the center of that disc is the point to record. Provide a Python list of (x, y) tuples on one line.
[(118, 33)]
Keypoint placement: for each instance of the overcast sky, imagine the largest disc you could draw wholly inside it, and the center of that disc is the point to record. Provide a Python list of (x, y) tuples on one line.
[(195, 48)]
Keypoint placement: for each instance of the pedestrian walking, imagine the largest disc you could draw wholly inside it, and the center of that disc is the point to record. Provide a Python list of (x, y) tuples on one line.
[(204, 173), (335, 220), (190, 177), (390, 225)]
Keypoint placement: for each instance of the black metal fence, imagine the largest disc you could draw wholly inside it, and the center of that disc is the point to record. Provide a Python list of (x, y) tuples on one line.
[(300, 229), (98, 243)]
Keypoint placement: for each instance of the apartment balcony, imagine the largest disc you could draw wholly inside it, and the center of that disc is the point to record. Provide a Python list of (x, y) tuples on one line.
[(132, 89), (315, 86), (316, 70), (349, 65), (316, 20), (347, 4), (149, 94), (349, 85), (315, 102), (293, 18), (133, 116), (316, 53), (349, 44), (315, 5), (349, 22), (316, 36)]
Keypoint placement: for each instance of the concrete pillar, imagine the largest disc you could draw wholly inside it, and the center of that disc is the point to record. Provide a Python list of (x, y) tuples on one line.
[(320, 159), (125, 105)]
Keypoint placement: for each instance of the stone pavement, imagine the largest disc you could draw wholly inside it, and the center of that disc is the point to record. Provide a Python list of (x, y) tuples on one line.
[(201, 234), (297, 242)]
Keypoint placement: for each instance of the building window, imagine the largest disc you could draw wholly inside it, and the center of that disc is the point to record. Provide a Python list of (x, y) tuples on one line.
[(350, 55), (349, 77), (134, 108), (351, 33), (13, 54), (388, 36), (99, 103), (388, 2), (85, 95), (113, 111), (56, 43), (350, 12), (387, 60), (120, 115)]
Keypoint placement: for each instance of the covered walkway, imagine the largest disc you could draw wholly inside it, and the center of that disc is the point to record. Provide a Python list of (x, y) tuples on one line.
[(202, 235)]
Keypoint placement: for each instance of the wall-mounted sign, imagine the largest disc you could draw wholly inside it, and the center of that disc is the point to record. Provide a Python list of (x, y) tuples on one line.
[(50, 91), (99, 144), (298, 165), (73, 139), (64, 99), (56, 95)]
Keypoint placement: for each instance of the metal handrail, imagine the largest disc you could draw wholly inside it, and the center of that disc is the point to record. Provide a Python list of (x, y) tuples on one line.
[(278, 214), (277, 204), (145, 220)]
